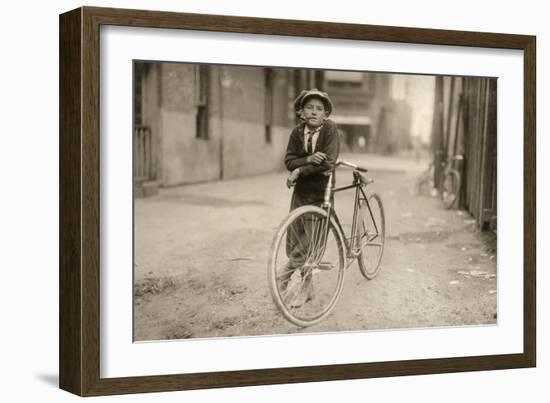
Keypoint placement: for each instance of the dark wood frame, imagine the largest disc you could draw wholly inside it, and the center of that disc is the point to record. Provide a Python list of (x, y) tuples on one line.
[(79, 201)]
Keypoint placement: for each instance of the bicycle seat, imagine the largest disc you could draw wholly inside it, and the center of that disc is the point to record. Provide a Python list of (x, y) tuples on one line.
[(364, 180)]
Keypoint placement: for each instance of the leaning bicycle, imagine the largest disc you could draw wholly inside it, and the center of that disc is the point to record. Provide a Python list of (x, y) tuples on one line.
[(310, 251), (449, 190)]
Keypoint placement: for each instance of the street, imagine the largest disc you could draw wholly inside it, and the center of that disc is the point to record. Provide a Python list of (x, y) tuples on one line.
[(201, 255)]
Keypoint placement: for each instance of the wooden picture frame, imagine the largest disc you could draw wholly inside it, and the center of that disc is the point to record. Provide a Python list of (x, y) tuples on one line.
[(79, 346)]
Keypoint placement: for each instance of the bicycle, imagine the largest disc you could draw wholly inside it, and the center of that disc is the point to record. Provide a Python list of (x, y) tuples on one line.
[(309, 253), (450, 182)]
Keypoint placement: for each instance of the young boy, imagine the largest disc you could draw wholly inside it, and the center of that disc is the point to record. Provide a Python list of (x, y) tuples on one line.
[(312, 149), (311, 154)]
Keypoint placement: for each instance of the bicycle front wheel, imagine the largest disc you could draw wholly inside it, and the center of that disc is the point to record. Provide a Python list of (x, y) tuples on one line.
[(306, 266), (372, 235)]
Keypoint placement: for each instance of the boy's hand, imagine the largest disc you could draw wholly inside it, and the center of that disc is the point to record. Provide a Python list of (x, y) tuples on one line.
[(317, 158), (291, 180)]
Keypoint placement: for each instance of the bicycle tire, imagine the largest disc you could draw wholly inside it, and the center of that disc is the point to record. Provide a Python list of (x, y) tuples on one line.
[(451, 188), (374, 237), (333, 276)]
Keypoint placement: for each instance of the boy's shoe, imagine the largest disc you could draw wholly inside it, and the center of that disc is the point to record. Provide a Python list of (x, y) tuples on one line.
[(293, 289), (325, 266), (283, 277), (302, 294), (286, 272)]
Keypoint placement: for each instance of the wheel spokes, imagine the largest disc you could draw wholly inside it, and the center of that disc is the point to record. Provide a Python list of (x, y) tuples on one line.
[(310, 275)]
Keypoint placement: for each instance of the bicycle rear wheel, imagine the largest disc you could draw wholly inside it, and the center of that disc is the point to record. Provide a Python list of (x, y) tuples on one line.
[(451, 187), (372, 234), (306, 266)]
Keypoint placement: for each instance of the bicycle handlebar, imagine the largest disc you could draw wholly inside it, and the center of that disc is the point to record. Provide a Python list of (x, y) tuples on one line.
[(352, 166)]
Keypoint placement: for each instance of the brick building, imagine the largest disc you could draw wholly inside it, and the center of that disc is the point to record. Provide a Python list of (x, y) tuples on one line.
[(195, 123)]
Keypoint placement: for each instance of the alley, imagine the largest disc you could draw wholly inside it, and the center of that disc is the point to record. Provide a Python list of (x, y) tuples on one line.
[(201, 255)]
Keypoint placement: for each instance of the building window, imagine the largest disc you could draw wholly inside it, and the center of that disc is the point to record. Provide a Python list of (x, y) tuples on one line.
[(268, 115), (202, 78), (139, 73)]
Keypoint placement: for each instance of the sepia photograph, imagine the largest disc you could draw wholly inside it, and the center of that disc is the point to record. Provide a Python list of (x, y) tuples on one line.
[(275, 200)]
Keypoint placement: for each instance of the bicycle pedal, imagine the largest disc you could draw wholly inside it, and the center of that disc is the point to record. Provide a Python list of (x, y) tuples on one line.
[(325, 266)]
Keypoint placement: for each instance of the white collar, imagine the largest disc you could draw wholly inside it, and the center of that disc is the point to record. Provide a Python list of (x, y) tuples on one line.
[(307, 130)]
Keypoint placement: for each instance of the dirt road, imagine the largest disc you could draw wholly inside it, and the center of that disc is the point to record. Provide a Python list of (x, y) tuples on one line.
[(201, 255)]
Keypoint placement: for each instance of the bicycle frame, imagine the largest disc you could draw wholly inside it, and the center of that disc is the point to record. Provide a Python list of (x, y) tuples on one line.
[(360, 194), (453, 162)]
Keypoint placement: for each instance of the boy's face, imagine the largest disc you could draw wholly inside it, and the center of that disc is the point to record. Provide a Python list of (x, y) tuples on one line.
[(314, 112)]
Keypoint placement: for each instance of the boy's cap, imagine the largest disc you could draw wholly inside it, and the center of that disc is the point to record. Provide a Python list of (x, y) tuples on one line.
[(298, 101), (317, 94)]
